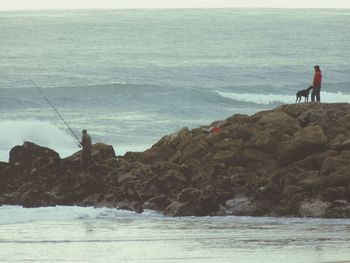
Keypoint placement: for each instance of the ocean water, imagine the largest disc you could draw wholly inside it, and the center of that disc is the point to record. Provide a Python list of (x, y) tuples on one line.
[(131, 76), (76, 234)]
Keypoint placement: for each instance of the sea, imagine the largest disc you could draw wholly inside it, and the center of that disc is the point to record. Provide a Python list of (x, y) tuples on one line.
[(131, 76)]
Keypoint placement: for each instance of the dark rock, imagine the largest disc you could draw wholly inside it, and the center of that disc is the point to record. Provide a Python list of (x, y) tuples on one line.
[(158, 203), (29, 152), (290, 161), (304, 142)]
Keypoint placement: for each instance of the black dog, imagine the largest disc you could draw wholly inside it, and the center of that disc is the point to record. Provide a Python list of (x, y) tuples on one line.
[(303, 93)]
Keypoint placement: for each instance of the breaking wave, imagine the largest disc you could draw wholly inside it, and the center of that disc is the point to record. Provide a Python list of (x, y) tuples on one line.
[(15, 132), (267, 99)]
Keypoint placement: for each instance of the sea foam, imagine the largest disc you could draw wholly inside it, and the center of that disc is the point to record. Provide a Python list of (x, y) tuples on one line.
[(267, 99), (15, 132)]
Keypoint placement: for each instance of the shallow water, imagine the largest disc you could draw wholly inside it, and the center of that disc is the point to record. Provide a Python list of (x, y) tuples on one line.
[(75, 234)]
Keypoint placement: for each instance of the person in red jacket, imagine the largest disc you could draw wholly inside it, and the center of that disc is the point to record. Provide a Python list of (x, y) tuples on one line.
[(317, 85)]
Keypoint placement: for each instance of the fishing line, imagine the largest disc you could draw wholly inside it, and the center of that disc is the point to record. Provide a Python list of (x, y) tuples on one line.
[(52, 106)]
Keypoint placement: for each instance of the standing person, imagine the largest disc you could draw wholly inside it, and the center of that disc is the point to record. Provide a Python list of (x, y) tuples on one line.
[(86, 152), (317, 84)]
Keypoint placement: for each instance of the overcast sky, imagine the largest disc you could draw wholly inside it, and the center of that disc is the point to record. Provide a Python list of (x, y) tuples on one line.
[(83, 4)]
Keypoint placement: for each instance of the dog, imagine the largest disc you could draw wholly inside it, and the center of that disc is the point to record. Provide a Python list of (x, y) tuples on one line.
[(303, 93)]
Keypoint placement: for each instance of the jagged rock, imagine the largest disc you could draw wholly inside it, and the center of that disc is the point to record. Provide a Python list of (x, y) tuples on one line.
[(193, 201), (290, 161), (158, 203), (99, 152), (240, 206), (246, 131), (279, 120), (338, 178), (269, 140), (305, 141), (334, 163), (173, 180), (28, 152)]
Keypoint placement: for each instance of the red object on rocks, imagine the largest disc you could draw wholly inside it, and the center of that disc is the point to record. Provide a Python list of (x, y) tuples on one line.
[(216, 129)]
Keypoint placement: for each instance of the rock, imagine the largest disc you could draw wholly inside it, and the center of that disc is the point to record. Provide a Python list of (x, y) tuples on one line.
[(240, 206), (215, 137), (99, 152), (246, 131), (335, 193), (338, 178), (304, 142), (192, 201), (126, 178), (339, 209), (279, 120), (290, 161), (173, 179), (341, 144), (158, 203), (334, 163), (157, 153), (228, 156), (313, 208), (180, 136), (269, 140), (28, 152), (194, 150)]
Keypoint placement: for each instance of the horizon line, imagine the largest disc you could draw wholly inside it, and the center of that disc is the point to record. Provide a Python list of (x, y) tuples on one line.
[(171, 8)]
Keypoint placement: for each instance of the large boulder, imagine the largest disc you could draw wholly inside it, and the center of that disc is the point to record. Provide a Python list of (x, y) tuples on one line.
[(194, 201), (26, 154), (99, 152), (279, 120), (304, 142)]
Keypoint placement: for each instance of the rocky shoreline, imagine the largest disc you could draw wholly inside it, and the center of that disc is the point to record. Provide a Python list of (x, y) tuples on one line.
[(290, 161)]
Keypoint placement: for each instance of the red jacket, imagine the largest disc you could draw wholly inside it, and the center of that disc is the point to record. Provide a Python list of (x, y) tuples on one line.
[(317, 79)]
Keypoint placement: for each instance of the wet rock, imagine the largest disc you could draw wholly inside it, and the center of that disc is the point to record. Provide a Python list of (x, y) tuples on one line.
[(157, 203), (192, 201), (290, 161), (339, 209), (313, 208), (240, 206)]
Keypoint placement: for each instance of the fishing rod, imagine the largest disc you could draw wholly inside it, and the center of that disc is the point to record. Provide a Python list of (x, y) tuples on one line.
[(53, 107)]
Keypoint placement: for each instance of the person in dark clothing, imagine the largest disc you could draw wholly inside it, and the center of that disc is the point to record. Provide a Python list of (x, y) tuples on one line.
[(315, 95), (86, 158)]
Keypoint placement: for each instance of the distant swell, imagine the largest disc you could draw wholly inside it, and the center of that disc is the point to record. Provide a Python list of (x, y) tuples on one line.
[(267, 99)]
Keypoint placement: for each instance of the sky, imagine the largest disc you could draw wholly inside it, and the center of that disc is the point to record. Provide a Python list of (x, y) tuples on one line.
[(125, 4)]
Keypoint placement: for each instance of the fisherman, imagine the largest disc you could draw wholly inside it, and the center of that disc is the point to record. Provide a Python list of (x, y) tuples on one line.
[(316, 84), (86, 158)]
